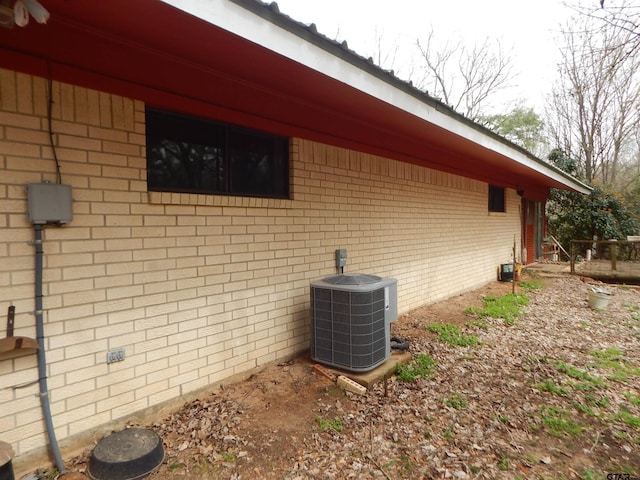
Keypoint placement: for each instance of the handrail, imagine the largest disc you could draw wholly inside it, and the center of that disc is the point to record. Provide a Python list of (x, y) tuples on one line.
[(554, 240), (613, 249)]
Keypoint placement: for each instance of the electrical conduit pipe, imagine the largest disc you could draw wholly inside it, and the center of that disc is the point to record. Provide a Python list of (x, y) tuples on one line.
[(42, 362)]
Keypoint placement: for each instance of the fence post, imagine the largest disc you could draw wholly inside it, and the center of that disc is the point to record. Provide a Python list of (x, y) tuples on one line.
[(614, 254), (572, 256)]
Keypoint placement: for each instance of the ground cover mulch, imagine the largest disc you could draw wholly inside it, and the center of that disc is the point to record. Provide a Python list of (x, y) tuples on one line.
[(553, 394)]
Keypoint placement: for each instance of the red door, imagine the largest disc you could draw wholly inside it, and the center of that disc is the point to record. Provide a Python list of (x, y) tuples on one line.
[(528, 231)]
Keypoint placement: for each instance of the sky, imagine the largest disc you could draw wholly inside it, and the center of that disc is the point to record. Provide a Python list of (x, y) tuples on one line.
[(526, 29)]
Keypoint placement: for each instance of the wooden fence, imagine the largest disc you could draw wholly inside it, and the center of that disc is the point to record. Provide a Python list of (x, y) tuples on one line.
[(606, 259)]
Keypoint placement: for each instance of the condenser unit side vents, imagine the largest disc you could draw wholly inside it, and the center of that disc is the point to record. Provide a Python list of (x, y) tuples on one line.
[(351, 320)]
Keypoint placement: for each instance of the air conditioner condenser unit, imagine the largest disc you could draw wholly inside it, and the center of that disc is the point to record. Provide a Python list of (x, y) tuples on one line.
[(351, 317)]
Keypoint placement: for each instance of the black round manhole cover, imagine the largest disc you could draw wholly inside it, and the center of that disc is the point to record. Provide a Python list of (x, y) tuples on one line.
[(126, 455)]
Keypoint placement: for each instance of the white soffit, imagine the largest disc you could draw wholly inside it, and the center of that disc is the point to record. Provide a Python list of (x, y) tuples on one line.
[(236, 19)]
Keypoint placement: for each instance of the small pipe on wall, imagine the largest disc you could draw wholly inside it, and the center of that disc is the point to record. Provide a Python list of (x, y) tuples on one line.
[(42, 361)]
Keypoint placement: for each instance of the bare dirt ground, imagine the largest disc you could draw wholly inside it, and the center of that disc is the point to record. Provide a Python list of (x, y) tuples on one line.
[(556, 394)]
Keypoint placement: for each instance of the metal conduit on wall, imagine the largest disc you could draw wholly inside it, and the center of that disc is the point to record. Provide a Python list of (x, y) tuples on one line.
[(42, 361), (48, 203)]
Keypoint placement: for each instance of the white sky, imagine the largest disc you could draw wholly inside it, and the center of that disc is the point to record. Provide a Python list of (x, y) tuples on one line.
[(525, 28)]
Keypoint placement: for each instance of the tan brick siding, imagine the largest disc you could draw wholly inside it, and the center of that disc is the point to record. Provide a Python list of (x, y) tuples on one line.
[(199, 288)]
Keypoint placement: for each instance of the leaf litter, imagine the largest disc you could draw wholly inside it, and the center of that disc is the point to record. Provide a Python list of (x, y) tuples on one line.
[(555, 393)]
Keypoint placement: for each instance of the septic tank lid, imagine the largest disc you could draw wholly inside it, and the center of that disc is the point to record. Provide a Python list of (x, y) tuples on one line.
[(352, 279), (126, 455)]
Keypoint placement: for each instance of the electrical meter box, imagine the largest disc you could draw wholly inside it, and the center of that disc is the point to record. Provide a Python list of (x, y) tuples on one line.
[(49, 203)]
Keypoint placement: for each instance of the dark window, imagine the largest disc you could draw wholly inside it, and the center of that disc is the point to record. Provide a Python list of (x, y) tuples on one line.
[(496, 199), (195, 155)]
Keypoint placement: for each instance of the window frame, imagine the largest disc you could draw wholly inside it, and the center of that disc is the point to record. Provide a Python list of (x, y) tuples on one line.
[(496, 199), (213, 147)]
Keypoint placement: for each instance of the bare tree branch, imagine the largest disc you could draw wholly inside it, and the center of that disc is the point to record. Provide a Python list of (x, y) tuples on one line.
[(594, 104), (437, 79), (466, 78), (623, 16)]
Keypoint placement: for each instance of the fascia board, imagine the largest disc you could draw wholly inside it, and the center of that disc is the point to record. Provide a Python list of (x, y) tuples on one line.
[(238, 20)]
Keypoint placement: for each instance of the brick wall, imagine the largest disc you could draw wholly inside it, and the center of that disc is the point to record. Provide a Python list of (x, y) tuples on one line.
[(198, 289)]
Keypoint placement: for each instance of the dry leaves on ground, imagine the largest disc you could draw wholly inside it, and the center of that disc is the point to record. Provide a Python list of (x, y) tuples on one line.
[(554, 395)]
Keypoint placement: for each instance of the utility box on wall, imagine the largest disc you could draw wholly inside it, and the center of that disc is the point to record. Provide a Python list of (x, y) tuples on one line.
[(49, 203)]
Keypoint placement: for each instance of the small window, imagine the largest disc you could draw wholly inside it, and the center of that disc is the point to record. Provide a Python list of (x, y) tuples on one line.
[(496, 199), (196, 155)]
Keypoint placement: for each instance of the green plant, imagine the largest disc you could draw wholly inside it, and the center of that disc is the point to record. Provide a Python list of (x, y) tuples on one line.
[(591, 475), (508, 307), (608, 354), (501, 418), (406, 462), (202, 465), (612, 358), (628, 418), (584, 409), (530, 285), (631, 398), (626, 470), (421, 366), (448, 433), (326, 425), (550, 386), (504, 464), (479, 323), (456, 401), (450, 334), (578, 374), (597, 402), (602, 213), (559, 422), (229, 456), (584, 386), (621, 435)]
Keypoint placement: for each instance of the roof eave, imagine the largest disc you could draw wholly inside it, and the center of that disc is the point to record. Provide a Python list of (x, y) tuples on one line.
[(281, 34)]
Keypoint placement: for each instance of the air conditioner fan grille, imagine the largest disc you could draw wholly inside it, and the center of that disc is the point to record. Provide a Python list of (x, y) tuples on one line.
[(352, 279)]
